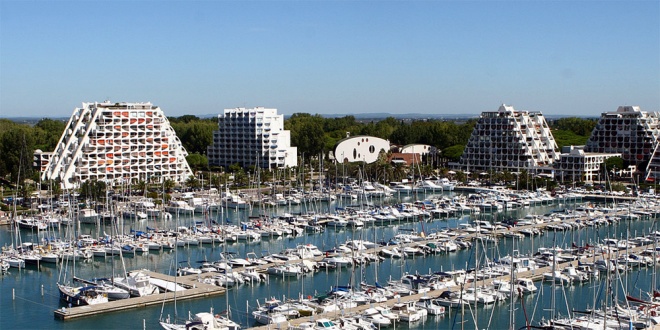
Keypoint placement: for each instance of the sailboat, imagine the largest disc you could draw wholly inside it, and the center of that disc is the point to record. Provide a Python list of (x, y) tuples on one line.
[(79, 295), (203, 321), (105, 287), (137, 283)]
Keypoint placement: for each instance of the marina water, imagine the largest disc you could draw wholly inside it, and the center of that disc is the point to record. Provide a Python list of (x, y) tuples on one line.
[(29, 296)]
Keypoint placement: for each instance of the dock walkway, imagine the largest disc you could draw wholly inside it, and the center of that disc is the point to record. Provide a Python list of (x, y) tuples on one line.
[(535, 275), (195, 289), (199, 289)]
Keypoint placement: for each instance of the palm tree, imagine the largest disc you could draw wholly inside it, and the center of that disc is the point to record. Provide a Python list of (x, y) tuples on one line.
[(26, 190), (461, 176), (398, 172), (192, 182), (426, 170), (140, 186), (168, 185)]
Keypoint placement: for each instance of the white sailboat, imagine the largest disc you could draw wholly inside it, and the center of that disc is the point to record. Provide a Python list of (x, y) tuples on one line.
[(79, 295), (203, 321)]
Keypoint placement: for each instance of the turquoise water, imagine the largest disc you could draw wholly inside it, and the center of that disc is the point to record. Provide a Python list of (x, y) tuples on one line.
[(31, 309)]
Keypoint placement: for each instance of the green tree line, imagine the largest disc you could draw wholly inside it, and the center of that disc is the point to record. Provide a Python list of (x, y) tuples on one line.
[(18, 141), (313, 135)]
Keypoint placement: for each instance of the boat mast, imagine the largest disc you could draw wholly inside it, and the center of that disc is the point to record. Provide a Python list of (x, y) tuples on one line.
[(474, 279), (554, 280), (655, 263), (511, 286)]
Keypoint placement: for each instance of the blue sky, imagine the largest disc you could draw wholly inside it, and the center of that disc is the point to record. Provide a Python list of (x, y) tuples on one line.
[(330, 57)]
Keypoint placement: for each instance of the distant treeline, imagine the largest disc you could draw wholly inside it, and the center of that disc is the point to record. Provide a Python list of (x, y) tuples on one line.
[(312, 134)]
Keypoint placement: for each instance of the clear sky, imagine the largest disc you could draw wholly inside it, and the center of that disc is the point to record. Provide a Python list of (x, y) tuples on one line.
[(330, 57)]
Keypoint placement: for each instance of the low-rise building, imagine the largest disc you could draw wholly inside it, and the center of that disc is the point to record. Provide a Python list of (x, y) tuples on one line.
[(422, 149), (360, 148), (406, 159), (575, 164)]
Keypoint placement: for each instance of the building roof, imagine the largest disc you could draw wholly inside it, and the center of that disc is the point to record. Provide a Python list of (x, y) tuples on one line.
[(404, 158)]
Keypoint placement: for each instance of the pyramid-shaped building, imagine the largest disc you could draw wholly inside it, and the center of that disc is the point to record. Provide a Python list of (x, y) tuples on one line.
[(629, 131), (118, 143), (511, 140), (653, 169)]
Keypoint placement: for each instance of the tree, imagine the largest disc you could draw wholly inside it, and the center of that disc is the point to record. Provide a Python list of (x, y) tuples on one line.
[(93, 189), (453, 153), (309, 138), (192, 182), (399, 172), (307, 133), (426, 170), (234, 168), (26, 191), (168, 185), (195, 134), (612, 165), (55, 186), (579, 126), (461, 176), (568, 138), (16, 150), (199, 136), (184, 119), (140, 186), (48, 132), (197, 161), (614, 162), (240, 178)]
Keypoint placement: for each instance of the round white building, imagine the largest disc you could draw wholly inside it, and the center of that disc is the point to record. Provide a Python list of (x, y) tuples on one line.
[(360, 148)]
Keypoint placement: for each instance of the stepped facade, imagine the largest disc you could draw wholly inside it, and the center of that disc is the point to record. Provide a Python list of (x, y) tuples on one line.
[(252, 137), (629, 131), (511, 140), (118, 143), (653, 169)]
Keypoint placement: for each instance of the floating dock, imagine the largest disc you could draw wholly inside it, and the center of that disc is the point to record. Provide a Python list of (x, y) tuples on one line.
[(195, 289), (535, 275)]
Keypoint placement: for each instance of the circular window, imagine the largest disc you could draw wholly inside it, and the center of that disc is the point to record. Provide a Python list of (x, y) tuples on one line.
[(372, 149), (354, 153)]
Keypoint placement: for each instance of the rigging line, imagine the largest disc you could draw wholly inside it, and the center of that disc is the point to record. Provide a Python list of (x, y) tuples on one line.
[(34, 302), (460, 298), (538, 298), (563, 292), (636, 280), (492, 312)]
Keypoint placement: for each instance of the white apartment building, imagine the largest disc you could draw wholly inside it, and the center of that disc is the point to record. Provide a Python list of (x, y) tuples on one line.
[(252, 137), (629, 131), (509, 139), (118, 143), (577, 165), (40, 160), (653, 169)]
